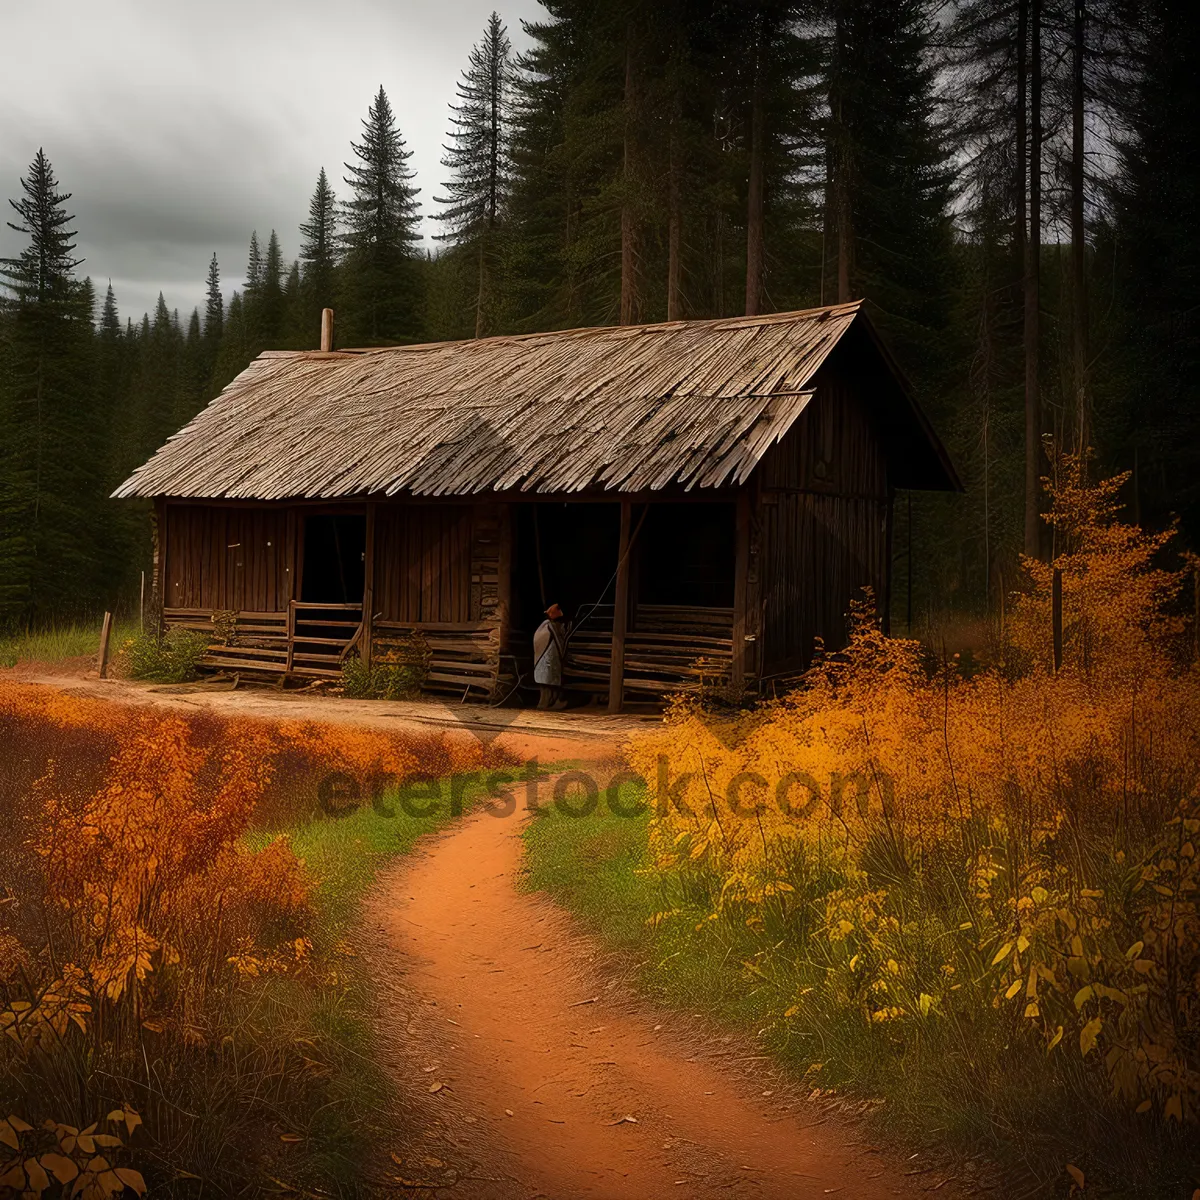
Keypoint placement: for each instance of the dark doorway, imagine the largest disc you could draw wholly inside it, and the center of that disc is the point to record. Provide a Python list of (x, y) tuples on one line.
[(334, 567), (564, 554), (685, 555)]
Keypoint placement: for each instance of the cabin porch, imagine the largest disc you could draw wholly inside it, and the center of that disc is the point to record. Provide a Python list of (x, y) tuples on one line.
[(290, 591)]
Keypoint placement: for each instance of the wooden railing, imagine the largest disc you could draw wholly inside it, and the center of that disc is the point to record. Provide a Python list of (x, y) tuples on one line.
[(309, 639), (662, 649)]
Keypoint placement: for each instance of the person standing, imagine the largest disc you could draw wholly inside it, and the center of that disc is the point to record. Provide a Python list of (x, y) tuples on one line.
[(549, 651)]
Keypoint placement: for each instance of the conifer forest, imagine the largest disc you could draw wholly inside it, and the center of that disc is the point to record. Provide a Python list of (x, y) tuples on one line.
[(1010, 184)]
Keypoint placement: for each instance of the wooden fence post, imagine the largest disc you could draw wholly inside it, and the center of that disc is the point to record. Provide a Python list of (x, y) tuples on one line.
[(105, 634)]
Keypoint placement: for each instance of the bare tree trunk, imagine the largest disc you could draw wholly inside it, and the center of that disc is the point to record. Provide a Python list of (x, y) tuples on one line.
[(1079, 238), (628, 226), (674, 216), (1033, 251), (840, 161), (719, 257), (1021, 224), (479, 294), (754, 202)]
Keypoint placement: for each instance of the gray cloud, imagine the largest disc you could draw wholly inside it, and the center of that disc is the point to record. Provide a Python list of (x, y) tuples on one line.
[(180, 128)]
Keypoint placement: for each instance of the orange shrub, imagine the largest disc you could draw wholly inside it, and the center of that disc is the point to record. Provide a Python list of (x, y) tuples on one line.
[(134, 907)]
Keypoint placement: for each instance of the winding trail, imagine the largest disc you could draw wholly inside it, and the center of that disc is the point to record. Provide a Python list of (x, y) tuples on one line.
[(528, 1058)]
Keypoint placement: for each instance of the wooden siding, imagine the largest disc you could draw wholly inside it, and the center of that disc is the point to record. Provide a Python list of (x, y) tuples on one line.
[(833, 449), (823, 515), (225, 559), (423, 563)]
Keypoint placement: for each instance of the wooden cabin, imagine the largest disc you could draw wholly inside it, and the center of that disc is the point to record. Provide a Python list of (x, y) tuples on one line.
[(703, 498)]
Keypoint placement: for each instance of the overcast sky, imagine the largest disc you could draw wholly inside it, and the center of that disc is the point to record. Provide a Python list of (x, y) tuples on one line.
[(179, 128)]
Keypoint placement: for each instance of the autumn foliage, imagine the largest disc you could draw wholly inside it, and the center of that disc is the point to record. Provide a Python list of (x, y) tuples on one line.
[(135, 922), (992, 866)]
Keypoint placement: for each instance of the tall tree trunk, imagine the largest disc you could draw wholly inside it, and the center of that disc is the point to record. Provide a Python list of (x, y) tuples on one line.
[(840, 161), (479, 292), (628, 225), (1033, 249), (675, 213), (754, 202), (1020, 207), (1079, 238)]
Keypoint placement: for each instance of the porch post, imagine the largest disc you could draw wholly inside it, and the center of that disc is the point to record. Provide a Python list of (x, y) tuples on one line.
[(741, 579), (368, 612), (616, 674), (159, 600), (504, 567)]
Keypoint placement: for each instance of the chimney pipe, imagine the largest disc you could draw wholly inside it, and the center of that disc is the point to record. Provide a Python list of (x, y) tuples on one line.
[(326, 330)]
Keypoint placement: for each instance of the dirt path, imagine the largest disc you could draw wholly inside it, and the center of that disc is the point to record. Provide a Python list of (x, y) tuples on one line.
[(585, 734), (541, 1057)]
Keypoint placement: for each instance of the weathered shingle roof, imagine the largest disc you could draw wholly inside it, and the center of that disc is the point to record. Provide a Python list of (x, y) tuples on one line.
[(691, 403)]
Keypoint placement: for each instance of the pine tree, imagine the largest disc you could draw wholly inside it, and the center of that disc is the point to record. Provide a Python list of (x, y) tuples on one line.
[(271, 300), (234, 353), (382, 303), (254, 325), (296, 333), (50, 488), (193, 391), (318, 256), (479, 162), (214, 305)]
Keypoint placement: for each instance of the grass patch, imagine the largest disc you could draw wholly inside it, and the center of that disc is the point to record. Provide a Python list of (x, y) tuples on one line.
[(58, 642)]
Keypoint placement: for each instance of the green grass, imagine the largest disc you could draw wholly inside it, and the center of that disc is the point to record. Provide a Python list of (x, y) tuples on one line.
[(58, 642)]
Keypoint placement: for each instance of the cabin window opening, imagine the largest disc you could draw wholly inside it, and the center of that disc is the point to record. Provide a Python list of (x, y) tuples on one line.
[(334, 569), (685, 556), (569, 551)]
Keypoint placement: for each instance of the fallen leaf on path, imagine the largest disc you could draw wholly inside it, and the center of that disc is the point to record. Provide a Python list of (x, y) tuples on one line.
[(435, 1086), (589, 1000), (625, 1120), (508, 1112), (290, 1137), (1076, 1174)]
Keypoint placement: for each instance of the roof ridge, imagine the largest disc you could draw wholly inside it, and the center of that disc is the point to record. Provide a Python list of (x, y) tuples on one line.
[(736, 322)]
